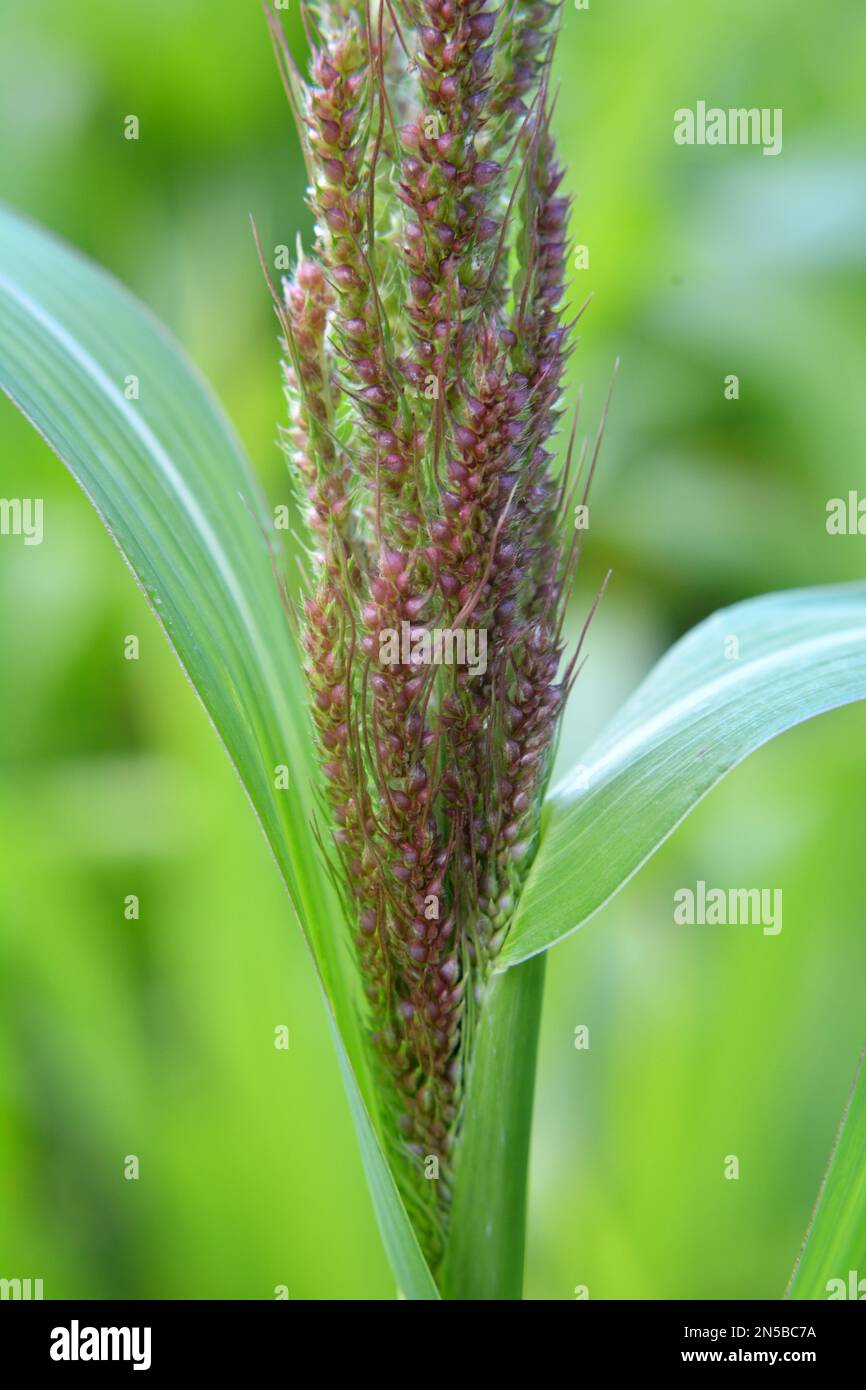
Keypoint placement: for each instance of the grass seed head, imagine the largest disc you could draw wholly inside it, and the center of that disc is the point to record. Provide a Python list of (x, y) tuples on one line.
[(425, 350)]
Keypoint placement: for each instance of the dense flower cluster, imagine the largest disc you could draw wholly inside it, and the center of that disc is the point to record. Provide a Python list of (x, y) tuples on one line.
[(424, 352)]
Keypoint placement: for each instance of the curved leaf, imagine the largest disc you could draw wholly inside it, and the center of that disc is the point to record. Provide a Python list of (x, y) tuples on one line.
[(700, 713), (832, 1261), (171, 483)]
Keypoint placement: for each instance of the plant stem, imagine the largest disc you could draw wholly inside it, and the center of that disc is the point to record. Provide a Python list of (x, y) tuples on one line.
[(484, 1259)]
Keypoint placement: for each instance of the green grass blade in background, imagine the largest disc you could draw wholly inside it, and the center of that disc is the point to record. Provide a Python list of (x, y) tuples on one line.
[(705, 707), (484, 1258), (172, 485), (835, 1245)]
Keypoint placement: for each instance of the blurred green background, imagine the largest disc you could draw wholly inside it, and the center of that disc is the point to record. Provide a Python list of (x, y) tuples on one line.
[(155, 1037)]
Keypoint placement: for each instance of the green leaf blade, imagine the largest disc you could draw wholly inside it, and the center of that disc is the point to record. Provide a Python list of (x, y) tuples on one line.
[(834, 1249), (173, 487), (697, 716)]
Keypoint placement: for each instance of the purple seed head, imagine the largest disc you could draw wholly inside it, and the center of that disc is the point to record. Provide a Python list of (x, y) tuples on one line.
[(424, 397)]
